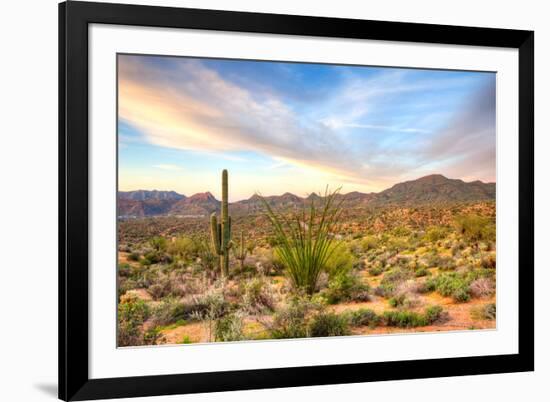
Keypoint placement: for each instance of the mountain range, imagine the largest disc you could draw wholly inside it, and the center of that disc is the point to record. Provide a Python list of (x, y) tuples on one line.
[(434, 188)]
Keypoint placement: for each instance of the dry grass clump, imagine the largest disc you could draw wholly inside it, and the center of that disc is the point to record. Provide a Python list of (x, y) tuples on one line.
[(482, 287)]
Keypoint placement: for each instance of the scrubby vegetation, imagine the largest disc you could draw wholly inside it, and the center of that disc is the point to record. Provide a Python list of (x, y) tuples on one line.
[(322, 270)]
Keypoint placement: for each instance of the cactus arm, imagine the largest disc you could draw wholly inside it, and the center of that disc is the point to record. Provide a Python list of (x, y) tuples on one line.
[(214, 233), (219, 230)]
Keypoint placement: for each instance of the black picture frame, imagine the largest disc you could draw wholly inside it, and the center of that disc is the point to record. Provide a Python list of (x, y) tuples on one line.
[(74, 18)]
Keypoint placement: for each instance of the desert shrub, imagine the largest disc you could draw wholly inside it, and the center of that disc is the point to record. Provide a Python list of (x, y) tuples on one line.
[(482, 287), (370, 243), (397, 244), (169, 311), (355, 247), (421, 271), (132, 312), (403, 319), (291, 321), (257, 296), (484, 312), (184, 248), (441, 262), (210, 305), (306, 241), (328, 324), (158, 243), (364, 317), (152, 336), (376, 269), (457, 248), (341, 260), (124, 270), (133, 256), (435, 233), (229, 328), (346, 286), (476, 228), (450, 284), (401, 231), (410, 319), (208, 259), (125, 285), (404, 298), (396, 275), (384, 290), (185, 340), (163, 287), (433, 313), (398, 300)]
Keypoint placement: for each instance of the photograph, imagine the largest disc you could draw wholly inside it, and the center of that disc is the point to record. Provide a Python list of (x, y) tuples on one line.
[(263, 200)]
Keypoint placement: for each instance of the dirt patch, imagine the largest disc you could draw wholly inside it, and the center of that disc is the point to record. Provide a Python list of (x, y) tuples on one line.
[(141, 294)]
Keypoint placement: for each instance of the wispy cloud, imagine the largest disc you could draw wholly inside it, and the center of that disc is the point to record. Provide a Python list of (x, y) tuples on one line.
[(359, 132), (168, 167)]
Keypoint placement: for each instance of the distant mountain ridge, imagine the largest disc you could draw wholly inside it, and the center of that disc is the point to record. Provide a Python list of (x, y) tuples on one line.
[(144, 195), (434, 188)]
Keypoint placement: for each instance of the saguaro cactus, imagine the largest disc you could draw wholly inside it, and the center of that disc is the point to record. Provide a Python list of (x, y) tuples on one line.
[(241, 251), (221, 231)]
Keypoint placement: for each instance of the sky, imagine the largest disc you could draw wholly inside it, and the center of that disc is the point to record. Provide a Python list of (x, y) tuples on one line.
[(296, 127)]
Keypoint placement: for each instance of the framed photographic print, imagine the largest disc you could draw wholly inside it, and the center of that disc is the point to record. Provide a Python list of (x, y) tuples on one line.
[(258, 201)]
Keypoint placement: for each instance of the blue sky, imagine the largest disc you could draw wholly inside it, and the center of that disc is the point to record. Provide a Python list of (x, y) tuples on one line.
[(298, 127)]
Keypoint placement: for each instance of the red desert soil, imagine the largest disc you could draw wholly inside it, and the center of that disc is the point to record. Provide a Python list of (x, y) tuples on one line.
[(123, 259), (459, 320), (197, 332)]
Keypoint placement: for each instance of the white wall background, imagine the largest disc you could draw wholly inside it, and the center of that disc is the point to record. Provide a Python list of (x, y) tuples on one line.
[(28, 198)]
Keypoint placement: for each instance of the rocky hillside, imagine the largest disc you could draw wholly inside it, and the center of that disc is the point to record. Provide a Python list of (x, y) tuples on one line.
[(429, 189)]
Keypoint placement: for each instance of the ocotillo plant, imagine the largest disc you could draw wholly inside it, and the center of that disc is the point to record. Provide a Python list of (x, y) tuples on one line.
[(241, 251), (221, 231), (306, 239)]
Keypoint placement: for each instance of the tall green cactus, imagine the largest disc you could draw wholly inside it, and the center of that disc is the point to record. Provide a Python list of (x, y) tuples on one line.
[(221, 232), (241, 251)]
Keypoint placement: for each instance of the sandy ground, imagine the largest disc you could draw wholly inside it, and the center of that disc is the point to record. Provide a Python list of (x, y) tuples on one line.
[(459, 319)]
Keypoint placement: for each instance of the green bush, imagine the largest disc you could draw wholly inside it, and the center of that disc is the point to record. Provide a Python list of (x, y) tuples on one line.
[(185, 248), (229, 328), (450, 284), (132, 312), (370, 243), (398, 300), (393, 277), (257, 296), (475, 228), (376, 270), (364, 317), (292, 321), (422, 271), (158, 243), (404, 319), (435, 233), (328, 324), (401, 231), (341, 260), (346, 286), (124, 270), (433, 314), (453, 284), (133, 256)]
